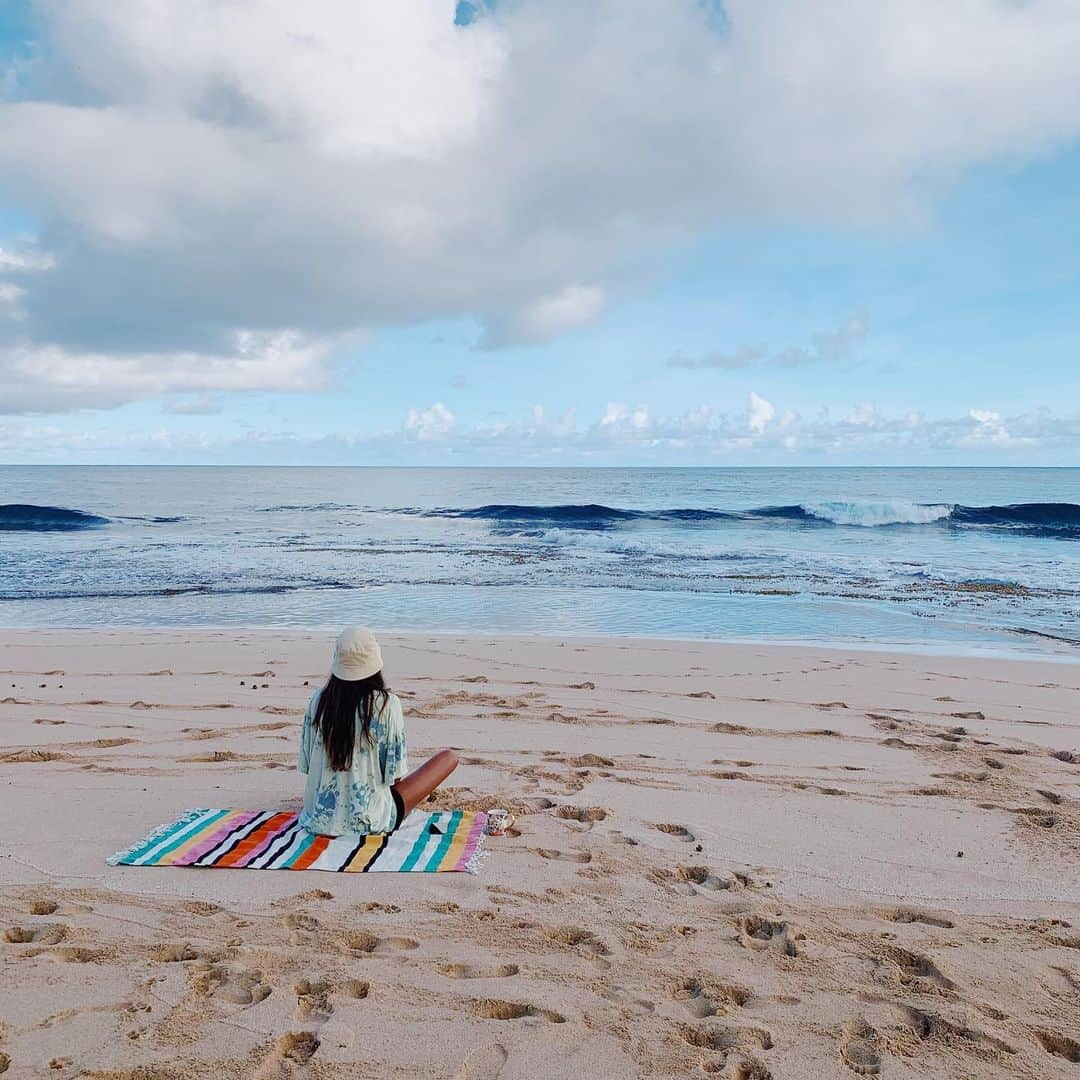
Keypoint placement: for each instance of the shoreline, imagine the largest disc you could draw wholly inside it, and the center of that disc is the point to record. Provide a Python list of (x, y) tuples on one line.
[(945, 650), (725, 854)]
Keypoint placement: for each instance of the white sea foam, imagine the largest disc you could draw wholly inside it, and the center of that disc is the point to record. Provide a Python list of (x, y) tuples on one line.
[(868, 513)]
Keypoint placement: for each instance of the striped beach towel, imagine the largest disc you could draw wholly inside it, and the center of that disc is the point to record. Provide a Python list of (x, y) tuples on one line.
[(274, 840)]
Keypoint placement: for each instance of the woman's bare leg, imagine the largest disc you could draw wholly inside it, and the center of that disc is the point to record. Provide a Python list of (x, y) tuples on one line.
[(420, 783)]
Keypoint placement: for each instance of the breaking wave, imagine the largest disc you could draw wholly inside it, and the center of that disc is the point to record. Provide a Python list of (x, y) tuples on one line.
[(1032, 519), (25, 517)]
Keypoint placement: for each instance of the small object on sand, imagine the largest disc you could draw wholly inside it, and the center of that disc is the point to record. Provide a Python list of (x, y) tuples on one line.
[(242, 683), (959, 854), (498, 821), (698, 847), (305, 682)]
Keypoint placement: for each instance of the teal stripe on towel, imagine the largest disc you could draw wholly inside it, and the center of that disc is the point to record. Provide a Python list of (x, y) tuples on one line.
[(447, 840)]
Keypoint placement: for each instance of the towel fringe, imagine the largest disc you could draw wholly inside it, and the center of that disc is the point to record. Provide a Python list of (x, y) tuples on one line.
[(186, 818)]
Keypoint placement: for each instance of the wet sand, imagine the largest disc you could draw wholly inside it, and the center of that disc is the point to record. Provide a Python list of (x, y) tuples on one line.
[(741, 860)]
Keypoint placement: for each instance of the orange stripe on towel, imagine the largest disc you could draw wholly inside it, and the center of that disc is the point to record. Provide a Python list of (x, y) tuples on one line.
[(247, 847), (318, 846)]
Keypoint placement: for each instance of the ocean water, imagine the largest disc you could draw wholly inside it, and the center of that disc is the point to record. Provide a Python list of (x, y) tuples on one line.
[(956, 559)]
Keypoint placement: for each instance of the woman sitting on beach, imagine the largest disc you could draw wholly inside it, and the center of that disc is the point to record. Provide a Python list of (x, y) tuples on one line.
[(352, 748)]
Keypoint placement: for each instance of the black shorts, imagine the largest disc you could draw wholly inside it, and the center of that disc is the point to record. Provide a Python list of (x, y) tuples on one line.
[(399, 810)]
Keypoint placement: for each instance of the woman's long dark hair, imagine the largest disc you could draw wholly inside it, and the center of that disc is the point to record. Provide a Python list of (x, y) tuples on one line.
[(340, 703)]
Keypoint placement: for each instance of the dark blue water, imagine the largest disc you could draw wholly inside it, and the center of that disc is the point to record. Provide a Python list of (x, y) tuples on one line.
[(984, 559)]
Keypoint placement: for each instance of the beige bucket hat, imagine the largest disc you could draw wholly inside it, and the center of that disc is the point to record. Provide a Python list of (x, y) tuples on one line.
[(356, 654)]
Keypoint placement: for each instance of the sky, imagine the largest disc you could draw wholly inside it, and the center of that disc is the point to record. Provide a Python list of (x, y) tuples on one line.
[(540, 232)]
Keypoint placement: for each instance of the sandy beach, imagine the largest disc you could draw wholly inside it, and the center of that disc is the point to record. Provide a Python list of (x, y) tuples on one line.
[(749, 861)]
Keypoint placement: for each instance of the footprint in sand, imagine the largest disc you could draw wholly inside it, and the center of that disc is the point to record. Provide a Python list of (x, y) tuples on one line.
[(680, 831), (590, 761), (173, 953), (704, 878), (580, 939), (358, 989), (703, 997), (33, 756), (1053, 1042), (495, 1009), (914, 967), (293, 1048), (313, 1001), (723, 1039), (79, 954), (200, 907), (750, 1069), (471, 971), (300, 920), (928, 1025), (217, 981), (564, 856), (316, 894), (858, 1047), (585, 814), (536, 804), (911, 915), (1069, 977), (758, 932), (366, 943), (47, 934), (42, 906), (487, 1063), (629, 999)]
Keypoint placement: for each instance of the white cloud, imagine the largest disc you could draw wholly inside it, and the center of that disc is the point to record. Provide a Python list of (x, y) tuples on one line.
[(436, 422), (26, 261), (315, 168), (759, 411), (43, 378), (619, 433), (9, 293), (618, 419), (864, 415)]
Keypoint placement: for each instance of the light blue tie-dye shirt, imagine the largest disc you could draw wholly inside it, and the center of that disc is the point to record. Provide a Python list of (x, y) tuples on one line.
[(355, 800)]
